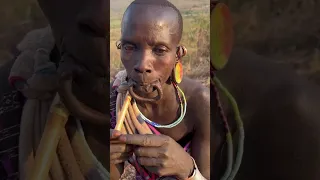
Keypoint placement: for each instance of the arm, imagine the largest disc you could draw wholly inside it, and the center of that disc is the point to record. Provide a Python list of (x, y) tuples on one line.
[(200, 149)]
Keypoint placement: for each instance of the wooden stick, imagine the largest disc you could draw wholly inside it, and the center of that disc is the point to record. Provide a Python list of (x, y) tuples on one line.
[(49, 142), (123, 112), (120, 122)]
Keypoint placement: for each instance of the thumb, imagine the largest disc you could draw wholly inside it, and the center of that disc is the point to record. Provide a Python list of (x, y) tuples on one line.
[(114, 134)]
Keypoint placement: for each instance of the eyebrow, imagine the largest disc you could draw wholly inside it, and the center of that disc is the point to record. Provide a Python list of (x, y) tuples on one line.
[(163, 44), (126, 41), (149, 43)]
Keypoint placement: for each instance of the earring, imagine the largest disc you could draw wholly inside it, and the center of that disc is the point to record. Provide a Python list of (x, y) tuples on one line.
[(177, 72)]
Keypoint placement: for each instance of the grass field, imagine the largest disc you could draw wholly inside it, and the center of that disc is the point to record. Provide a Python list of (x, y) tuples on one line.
[(195, 37)]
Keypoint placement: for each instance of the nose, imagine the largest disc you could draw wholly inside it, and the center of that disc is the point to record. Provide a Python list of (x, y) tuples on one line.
[(144, 65), (95, 20), (141, 68)]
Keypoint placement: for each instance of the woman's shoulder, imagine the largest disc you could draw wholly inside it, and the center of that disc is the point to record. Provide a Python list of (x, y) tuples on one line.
[(194, 89)]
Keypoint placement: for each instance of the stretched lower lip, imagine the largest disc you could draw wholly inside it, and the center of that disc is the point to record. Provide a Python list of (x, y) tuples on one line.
[(145, 87), (144, 84)]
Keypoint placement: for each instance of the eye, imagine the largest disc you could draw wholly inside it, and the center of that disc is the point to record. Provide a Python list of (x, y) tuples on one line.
[(160, 50), (128, 47)]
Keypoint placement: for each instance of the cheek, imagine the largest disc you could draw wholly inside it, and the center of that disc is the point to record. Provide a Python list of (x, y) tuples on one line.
[(164, 66), (126, 59), (167, 61)]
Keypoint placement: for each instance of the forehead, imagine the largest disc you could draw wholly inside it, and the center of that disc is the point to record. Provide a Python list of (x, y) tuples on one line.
[(149, 21)]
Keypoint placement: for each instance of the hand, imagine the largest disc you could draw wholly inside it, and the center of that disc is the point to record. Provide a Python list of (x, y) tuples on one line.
[(119, 151), (160, 154)]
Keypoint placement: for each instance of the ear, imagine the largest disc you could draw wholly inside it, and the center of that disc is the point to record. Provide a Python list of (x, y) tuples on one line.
[(181, 51), (118, 44)]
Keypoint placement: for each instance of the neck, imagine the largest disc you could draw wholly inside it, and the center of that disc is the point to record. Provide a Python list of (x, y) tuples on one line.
[(168, 102)]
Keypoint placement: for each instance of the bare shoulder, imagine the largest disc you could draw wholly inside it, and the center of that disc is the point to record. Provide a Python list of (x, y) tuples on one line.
[(193, 89), (198, 98)]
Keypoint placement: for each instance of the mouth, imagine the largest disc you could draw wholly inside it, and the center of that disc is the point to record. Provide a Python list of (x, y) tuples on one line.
[(144, 87), (146, 92)]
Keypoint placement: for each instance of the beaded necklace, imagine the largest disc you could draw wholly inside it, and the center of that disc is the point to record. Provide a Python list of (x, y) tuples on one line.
[(183, 109)]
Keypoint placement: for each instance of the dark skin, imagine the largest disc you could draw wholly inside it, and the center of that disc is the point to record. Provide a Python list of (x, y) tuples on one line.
[(80, 29), (148, 53), (280, 113), (79, 34)]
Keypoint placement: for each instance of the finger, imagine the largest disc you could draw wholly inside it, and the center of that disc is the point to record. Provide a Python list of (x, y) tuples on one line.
[(149, 152), (120, 148), (114, 134), (118, 161), (116, 141), (144, 140), (119, 156), (146, 161)]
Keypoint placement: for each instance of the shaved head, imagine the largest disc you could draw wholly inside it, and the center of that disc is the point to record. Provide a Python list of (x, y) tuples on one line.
[(161, 11), (151, 31)]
